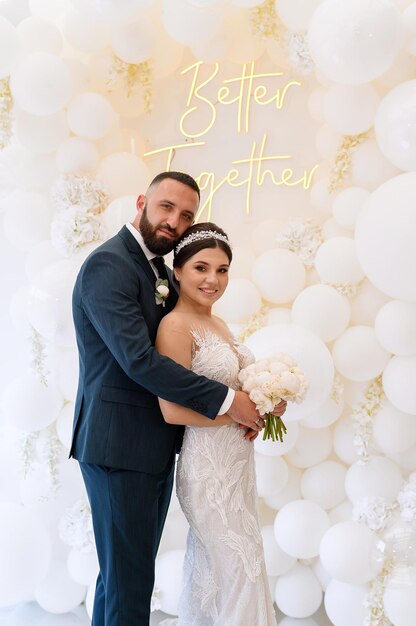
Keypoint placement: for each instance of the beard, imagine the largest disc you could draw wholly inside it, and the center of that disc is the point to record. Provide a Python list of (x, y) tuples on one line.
[(156, 243)]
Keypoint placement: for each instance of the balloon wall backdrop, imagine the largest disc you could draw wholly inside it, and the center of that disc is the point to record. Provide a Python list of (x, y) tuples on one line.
[(298, 119)]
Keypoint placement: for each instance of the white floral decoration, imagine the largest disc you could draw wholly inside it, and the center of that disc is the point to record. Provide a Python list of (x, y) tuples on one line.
[(75, 227), (407, 499), (6, 112), (38, 364), (256, 321), (27, 451), (76, 189), (346, 289), (49, 453), (337, 391), (298, 52), (155, 604), (374, 511), (362, 415), (373, 601), (301, 236), (75, 527)]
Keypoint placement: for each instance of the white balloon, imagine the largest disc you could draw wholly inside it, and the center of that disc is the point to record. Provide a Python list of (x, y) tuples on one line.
[(291, 491), (358, 355), (344, 603), (331, 229), (29, 404), (296, 14), (118, 213), (264, 235), (351, 109), (85, 31), (344, 440), (134, 42), (328, 141), (312, 446), (400, 605), (76, 155), (308, 350), (64, 423), (277, 561), (168, 579), (366, 304), (323, 310), (243, 259), (9, 47), (394, 124), (41, 84), (378, 477), (123, 174), (188, 23), (273, 448), (409, 24), (324, 484), (406, 459), (393, 430), (398, 383), (324, 415), (279, 315), (90, 115), (279, 275), (299, 527), (240, 301), (402, 69), (298, 593), (336, 262), (58, 592), (48, 9), (395, 327), (349, 553), (17, 310), (354, 42), (39, 35), (369, 167), (27, 219), (41, 134), (40, 256), (341, 513), (83, 567), (271, 475), (348, 204), (25, 547), (384, 237)]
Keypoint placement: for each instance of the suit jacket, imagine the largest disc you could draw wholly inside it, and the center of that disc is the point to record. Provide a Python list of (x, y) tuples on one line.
[(117, 419)]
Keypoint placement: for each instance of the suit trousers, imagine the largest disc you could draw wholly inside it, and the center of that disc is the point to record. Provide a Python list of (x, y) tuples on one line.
[(128, 511)]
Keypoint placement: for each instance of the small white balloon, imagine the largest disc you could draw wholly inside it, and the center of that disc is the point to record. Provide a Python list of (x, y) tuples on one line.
[(336, 262), (118, 213), (393, 430), (279, 275), (348, 204), (328, 141), (296, 14), (290, 492), (400, 605), (358, 355), (187, 23), (85, 31), (168, 579), (9, 47), (278, 448), (398, 383), (312, 446), (369, 167), (39, 35), (83, 567), (324, 415), (299, 527), (395, 327), (264, 235), (298, 593), (324, 484), (277, 561), (90, 115), (349, 553), (29, 404), (366, 304), (41, 134), (241, 300), (271, 475), (351, 109), (323, 310), (344, 603), (58, 592), (344, 440), (378, 477), (135, 41), (123, 174), (76, 155), (243, 259)]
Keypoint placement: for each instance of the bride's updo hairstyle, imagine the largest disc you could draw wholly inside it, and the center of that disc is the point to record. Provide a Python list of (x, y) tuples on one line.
[(197, 238)]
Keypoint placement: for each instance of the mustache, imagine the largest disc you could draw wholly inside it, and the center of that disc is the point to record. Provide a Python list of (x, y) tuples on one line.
[(168, 228)]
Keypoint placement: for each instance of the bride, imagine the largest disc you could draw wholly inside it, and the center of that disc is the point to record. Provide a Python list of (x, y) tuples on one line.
[(225, 580)]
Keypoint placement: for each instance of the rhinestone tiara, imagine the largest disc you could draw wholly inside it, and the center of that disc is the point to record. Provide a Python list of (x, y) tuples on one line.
[(198, 236)]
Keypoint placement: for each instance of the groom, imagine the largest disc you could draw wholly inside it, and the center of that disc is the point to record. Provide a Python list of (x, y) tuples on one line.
[(125, 449)]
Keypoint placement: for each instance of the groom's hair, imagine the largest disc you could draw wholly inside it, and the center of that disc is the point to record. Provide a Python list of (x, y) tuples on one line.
[(181, 177)]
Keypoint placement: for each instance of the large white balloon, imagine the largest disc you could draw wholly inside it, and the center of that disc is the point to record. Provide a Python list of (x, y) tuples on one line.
[(308, 350), (354, 42), (41, 84), (395, 327), (25, 549), (324, 415), (385, 235), (344, 603), (324, 484), (378, 477), (323, 310), (118, 213), (188, 23), (351, 109), (366, 304), (279, 275), (349, 553), (90, 115), (312, 446), (277, 561), (398, 383), (9, 47), (336, 262), (299, 527), (39, 35), (298, 593), (395, 123), (290, 492), (29, 404), (41, 134), (358, 355)]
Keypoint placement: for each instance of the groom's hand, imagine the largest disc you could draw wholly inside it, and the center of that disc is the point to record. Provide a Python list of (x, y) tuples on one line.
[(243, 411), (280, 408)]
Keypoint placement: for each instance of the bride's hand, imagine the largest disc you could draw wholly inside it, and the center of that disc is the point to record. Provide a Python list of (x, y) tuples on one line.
[(251, 434), (243, 411)]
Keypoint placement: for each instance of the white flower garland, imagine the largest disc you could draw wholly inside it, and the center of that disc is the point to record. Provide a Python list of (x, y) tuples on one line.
[(82, 190), (27, 451), (255, 322), (373, 601), (299, 53), (38, 363), (75, 227), (407, 499), (337, 391), (75, 527), (362, 415), (374, 511), (301, 236), (50, 451), (6, 112)]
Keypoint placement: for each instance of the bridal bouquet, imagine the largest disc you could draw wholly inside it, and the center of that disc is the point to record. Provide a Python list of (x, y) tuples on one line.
[(267, 382)]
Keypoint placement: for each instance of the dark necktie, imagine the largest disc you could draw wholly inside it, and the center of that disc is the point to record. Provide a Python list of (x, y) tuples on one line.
[(159, 263)]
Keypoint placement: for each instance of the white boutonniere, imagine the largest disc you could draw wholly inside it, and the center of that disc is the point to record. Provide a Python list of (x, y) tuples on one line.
[(161, 291)]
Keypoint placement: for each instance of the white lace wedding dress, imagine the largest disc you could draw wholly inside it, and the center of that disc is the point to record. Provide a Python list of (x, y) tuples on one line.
[(225, 580)]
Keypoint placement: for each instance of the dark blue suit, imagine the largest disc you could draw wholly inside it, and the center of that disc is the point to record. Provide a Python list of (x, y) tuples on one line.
[(125, 449)]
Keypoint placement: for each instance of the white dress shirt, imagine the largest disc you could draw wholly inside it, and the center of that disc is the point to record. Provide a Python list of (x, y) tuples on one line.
[(229, 398)]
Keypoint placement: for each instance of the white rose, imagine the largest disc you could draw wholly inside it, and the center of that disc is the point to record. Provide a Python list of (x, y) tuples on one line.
[(163, 291)]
